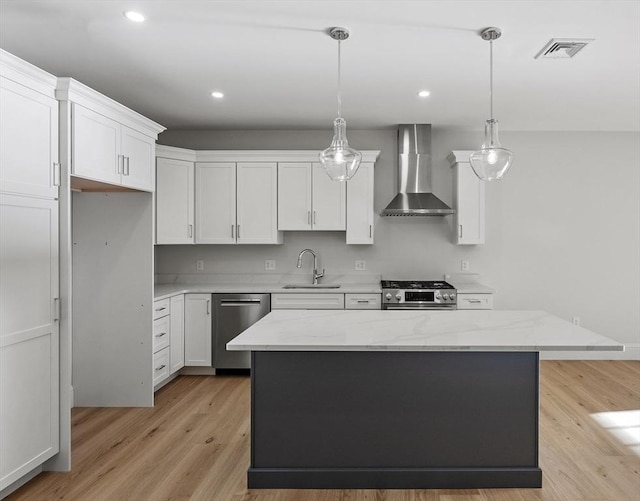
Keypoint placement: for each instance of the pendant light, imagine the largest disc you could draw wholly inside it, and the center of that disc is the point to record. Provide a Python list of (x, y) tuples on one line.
[(340, 161), (491, 161)]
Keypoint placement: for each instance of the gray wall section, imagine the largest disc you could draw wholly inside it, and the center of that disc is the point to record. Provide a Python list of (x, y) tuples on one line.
[(562, 229)]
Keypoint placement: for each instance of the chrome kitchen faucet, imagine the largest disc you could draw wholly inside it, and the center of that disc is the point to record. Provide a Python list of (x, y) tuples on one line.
[(316, 275)]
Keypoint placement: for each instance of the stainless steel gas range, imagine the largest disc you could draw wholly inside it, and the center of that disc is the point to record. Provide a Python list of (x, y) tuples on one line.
[(418, 295)]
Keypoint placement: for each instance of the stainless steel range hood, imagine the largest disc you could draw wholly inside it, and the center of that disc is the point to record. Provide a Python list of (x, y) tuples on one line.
[(414, 175)]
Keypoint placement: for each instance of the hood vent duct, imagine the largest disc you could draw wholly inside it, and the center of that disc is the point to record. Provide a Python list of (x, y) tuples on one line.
[(414, 175)]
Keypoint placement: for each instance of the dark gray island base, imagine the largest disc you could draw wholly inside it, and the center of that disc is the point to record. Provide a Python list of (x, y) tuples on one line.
[(385, 419)]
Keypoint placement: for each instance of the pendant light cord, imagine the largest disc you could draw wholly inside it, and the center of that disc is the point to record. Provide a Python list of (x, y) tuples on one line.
[(491, 79), (339, 83)]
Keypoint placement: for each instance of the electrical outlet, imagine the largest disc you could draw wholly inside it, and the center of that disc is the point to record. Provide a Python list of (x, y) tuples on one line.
[(270, 264), (464, 265), (200, 265), (576, 320), (361, 265)]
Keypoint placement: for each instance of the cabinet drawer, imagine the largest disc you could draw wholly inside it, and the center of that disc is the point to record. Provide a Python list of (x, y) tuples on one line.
[(161, 308), (161, 366), (475, 301), (297, 301), (161, 333), (362, 301)]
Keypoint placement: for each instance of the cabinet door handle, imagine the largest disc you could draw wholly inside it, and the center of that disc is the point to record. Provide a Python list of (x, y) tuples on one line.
[(56, 309), (314, 217), (238, 231), (190, 230), (161, 334), (370, 231), (308, 217), (161, 309), (460, 231), (232, 236), (127, 158), (120, 164), (56, 174), (475, 301), (208, 306), (363, 301), (161, 367)]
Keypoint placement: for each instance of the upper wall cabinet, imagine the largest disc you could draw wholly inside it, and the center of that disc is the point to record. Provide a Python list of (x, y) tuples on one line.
[(236, 203), (109, 143), (28, 132), (360, 216), (308, 199), (175, 222), (468, 200), (250, 196)]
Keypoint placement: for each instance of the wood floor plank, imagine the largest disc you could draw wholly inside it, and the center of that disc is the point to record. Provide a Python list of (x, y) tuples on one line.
[(195, 445)]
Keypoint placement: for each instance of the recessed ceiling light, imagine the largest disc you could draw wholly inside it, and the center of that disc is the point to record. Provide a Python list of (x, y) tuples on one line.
[(424, 93), (136, 17), (217, 94)]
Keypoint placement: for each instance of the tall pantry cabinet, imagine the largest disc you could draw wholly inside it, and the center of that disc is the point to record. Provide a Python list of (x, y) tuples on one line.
[(29, 291)]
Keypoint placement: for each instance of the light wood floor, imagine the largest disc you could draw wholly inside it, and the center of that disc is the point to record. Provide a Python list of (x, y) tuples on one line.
[(195, 445)]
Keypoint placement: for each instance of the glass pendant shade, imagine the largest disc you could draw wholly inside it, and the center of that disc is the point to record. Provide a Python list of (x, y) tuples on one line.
[(340, 162), (491, 162)]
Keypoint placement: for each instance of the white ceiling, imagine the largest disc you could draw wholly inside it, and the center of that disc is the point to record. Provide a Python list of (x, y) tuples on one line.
[(278, 67)]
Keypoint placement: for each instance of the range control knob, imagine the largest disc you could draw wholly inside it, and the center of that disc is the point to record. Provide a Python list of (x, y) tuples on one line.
[(445, 296), (388, 296), (398, 296), (452, 296)]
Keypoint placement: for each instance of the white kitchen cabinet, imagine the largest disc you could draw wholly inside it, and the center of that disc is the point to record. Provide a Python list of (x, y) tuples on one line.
[(29, 328), (177, 333), (29, 138), (468, 201), (109, 143), (215, 203), (197, 330), (30, 379), (307, 301), (174, 201), (354, 301), (308, 199), (360, 216), (475, 301), (161, 366), (236, 203)]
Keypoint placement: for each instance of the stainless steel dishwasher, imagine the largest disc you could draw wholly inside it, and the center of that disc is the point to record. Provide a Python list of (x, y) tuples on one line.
[(233, 313)]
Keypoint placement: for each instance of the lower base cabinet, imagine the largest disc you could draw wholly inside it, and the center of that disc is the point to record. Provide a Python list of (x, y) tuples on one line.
[(197, 330), (475, 301)]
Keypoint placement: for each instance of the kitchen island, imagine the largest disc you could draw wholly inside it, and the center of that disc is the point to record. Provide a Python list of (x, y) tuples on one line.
[(400, 399)]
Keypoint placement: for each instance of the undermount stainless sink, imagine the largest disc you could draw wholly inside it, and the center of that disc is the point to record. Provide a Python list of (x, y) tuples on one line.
[(310, 286)]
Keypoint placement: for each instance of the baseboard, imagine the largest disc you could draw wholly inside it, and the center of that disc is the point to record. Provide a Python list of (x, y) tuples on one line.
[(197, 371), (631, 352)]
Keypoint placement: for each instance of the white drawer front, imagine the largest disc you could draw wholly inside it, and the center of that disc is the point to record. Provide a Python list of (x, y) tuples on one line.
[(161, 366), (161, 308), (295, 301), (475, 301), (362, 301), (161, 333)]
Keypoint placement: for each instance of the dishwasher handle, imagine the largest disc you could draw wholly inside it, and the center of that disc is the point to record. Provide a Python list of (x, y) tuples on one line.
[(239, 302)]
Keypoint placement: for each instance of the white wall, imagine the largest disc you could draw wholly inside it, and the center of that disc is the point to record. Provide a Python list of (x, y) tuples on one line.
[(563, 228)]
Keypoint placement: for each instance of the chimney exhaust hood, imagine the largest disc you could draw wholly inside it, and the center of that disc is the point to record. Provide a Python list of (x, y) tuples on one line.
[(414, 175)]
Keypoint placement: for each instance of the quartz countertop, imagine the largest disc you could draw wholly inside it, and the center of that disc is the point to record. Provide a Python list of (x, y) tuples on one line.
[(259, 284), (401, 330)]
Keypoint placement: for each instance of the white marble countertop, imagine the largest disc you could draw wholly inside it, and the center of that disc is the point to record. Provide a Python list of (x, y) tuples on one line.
[(263, 283), (401, 330)]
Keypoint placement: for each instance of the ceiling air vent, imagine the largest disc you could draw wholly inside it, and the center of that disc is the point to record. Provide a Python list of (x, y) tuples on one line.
[(563, 48)]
